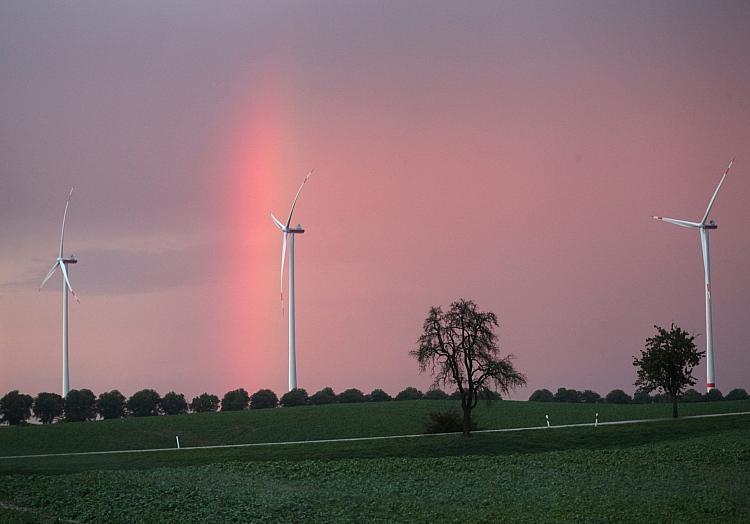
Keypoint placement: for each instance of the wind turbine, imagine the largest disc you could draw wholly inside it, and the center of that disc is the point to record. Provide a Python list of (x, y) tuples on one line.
[(288, 233), (62, 263), (704, 227)]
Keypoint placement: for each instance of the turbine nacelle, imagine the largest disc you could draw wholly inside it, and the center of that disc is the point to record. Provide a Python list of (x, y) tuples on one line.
[(704, 223), (286, 229)]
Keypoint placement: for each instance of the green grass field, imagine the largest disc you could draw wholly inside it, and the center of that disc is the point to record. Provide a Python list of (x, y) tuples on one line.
[(314, 423), (694, 470)]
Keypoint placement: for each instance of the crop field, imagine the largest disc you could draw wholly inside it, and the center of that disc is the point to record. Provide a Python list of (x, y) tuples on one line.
[(315, 423), (687, 470)]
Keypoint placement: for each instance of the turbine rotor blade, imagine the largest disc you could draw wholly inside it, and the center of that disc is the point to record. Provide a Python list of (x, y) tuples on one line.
[(67, 281), (277, 222), (683, 223), (49, 275), (713, 197), (294, 202), (65, 214)]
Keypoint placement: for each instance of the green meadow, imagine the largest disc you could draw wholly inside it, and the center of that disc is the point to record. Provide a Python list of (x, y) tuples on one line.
[(686, 470)]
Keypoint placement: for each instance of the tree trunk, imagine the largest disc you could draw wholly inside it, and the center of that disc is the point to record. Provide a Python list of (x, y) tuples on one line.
[(674, 407), (467, 421)]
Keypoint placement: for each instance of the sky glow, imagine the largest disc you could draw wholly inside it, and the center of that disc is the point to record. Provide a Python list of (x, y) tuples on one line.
[(509, 153)]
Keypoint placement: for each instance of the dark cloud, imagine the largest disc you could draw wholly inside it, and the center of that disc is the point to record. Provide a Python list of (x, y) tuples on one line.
[(126, 271)]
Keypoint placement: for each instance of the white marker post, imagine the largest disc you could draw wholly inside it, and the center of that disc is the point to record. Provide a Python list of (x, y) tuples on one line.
[(596, 421), (547, 417), (178, 441)]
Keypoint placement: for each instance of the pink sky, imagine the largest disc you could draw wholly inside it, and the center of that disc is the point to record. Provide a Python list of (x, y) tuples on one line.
[(510, 153)]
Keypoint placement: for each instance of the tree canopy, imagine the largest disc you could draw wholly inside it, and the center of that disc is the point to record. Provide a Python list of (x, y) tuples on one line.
[(542, 395), (294, 397), (174, 404), (324, 396), (409, 393), (351, 396), (459, 347), (144, 403), (111, 404), (15, 407), (378, 395), (80, 405), (736, 394), (435, 394), (204, 402), (667, 363), (618, 396), (262, 399), (235, 400), (48, 407)]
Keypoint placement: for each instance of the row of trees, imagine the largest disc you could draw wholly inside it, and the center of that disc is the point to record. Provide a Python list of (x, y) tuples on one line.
[(82, 404), (618, 396)]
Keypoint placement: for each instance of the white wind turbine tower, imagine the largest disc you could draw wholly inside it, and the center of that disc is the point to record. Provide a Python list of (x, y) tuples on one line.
[(288, 232), (62, 263), (704, 228)]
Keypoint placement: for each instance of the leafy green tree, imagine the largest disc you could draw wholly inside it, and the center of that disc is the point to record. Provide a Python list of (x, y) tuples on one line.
[(15, 407), (713, 395), (642, 397), (111, 404), (542, 395), (324, 396), (692, 395), (48, 407), (590, 397), (736, 394), (235, 400), (378, 395), (295, 397), (567, 395), (144, 403), (456, 395), (435, 394), (409, 393), (264, 399), (618, 396), (205, 403), (488, 394), (667, 363), (661, 398), (80, 405), (350, 396), (174, 403), (460, 347)]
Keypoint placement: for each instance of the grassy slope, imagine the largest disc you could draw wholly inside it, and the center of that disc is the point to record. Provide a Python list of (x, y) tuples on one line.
[(311, 423), (681, 471)]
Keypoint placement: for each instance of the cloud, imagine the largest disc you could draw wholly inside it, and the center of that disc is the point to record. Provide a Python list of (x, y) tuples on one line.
[(121, 271)]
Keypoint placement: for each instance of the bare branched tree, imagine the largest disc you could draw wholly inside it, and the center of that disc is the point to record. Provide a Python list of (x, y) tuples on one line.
[(460, 347)]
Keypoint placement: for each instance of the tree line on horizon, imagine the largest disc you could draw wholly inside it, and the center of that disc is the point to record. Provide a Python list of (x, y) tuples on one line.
[(82, 405), (618, 396)]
